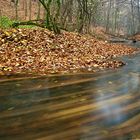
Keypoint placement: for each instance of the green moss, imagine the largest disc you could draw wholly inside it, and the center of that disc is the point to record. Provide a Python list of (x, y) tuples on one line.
[(5, 22)]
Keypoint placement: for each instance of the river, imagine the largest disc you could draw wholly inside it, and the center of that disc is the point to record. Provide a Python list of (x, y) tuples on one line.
[(89, 106)]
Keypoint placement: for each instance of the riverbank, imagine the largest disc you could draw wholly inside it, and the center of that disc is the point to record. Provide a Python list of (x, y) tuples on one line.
[(42, 52), (135, 37)]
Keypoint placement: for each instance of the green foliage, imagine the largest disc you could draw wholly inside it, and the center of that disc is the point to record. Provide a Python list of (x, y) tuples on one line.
[(5, 22)]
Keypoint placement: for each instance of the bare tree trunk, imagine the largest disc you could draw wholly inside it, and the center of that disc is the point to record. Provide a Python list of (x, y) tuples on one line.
[(116, 16), (83, 15), (70, 11), (108, 17), (30, 9), (26, 11), (38, 13), (138, 4), (132, 17), (23, 5), (16, 9)]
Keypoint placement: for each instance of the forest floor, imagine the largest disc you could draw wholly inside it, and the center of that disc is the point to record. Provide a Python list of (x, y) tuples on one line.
[(40, 51), (135, 37)]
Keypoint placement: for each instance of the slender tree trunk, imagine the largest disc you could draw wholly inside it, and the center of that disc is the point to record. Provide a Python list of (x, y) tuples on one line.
[(116, 16), (30, 9), (25, 10), (138, 4), (108, 17), (38, 13), (50, 21), (70, 11), (23, 5), (16, 9), (132, 17), (83, 14)]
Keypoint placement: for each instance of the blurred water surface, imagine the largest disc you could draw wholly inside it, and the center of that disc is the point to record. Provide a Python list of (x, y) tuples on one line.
[(89, 106)]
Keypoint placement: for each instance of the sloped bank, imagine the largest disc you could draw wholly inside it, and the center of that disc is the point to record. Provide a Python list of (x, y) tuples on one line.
[(42, 52)]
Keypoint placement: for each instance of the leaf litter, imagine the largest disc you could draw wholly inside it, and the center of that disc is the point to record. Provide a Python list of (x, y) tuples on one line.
[(40, 51)]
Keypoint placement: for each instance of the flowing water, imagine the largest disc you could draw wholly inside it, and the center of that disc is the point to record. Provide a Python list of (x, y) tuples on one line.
[(102, 105)]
